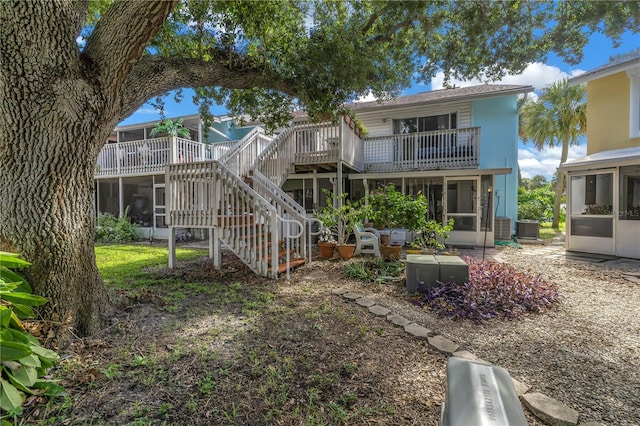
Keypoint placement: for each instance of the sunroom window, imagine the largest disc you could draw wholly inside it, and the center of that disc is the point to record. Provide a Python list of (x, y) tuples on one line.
[(630, 183), (592, 205)]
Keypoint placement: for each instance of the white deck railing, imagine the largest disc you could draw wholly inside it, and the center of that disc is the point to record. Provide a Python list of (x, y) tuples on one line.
[(240, 159), (317, 143), (147, 156), (441, 149)]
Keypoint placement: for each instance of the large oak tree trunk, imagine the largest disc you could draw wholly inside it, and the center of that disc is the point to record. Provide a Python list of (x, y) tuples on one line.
[(52, 127)]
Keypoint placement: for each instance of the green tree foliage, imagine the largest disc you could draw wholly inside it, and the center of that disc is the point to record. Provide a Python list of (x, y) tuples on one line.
[(537, 203), (316, 55), (60, 99), (558, 118), (538, 181)]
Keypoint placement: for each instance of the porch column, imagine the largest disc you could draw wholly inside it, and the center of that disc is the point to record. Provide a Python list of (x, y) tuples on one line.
[(173, 150), (120, 197), (172, 247)]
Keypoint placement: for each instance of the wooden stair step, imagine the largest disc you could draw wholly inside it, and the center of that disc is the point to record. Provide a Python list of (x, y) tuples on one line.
[(282, 267)]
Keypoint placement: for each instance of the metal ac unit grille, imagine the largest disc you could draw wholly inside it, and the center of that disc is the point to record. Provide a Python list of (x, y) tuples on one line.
[(527, 228), (503, 228)]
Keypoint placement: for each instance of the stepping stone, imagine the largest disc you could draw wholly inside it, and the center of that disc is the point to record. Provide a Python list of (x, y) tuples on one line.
[(592, 424), (549, 410), (365, 301), (443, 344), (379, 310), (398, 320), (417, 330), (521, 388), (351, 296), (468, 355), (339, 291)]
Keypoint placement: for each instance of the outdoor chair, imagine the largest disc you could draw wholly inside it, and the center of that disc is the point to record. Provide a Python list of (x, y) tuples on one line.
[(367, 240)]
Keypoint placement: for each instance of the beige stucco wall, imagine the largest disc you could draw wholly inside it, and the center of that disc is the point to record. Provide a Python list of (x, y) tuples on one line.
[(608, 114)]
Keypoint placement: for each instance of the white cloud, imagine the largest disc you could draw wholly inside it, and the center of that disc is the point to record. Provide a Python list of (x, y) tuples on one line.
[(148, 111), (367, 98), (533, 162), (536, 74)]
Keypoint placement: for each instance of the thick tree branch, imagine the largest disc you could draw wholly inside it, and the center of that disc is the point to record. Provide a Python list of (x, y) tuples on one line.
[(120, 38), (155, 76)]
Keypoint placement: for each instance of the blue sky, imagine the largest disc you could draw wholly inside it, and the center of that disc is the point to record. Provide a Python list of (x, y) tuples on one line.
[(538, 75)]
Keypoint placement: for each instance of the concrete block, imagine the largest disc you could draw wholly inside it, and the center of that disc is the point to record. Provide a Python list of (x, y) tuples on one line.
[(453, 268), (421, 268)]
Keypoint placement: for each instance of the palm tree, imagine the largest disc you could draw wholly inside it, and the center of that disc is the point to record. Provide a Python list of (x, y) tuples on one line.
[(559, 117)]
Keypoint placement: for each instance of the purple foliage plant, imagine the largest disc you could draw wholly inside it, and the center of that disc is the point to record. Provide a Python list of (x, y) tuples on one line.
[(494, 290)]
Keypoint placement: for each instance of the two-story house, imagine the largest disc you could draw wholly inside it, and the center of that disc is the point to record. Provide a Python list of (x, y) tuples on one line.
[(458, 147), (603, 191)]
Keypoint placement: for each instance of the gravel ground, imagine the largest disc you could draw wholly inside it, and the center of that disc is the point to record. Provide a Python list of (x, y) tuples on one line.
[(584, 353)]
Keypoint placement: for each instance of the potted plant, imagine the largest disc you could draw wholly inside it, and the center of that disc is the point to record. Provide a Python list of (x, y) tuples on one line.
[(392, 209), (340, 216), (326, 243), (167, 126)]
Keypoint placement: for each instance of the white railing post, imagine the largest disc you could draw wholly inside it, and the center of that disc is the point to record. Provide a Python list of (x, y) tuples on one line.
[(173, 150)]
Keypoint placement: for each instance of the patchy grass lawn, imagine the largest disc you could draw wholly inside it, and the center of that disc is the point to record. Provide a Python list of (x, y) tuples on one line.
[(549, 233), (196, 346)]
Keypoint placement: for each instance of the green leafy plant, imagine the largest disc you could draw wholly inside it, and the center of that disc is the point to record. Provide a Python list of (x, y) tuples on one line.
[(392, 209), (433, 235), (340, 215), (537, 204), (110, 229), (374, 271), (171, 128), (23, 361)]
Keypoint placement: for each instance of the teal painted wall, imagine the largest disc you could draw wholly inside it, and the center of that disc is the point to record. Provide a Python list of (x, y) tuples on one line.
[(233, 133), (498, 120)]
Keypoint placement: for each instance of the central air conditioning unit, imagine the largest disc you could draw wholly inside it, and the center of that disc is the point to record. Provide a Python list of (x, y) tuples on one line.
[(527, 229), (503, 228)]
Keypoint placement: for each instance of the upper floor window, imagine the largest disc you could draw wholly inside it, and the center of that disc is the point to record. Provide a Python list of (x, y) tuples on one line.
[(425, 124), (634, 107)]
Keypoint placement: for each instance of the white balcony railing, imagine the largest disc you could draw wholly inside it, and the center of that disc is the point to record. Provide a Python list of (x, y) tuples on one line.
[(441, 149), (151, 155)]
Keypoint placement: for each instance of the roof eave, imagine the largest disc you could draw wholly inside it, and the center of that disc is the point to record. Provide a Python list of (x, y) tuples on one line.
[(604, 72)]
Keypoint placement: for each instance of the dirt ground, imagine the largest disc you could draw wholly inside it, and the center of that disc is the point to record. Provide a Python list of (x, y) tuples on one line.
[(207, 347)]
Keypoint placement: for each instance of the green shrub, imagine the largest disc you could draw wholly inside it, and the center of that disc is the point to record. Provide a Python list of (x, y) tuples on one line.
[(110, 229), (23, 361), (374, 271), (536, 204)]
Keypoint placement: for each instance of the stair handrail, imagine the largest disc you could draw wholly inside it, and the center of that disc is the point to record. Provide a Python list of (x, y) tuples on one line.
[(288, 237), (283, 202), (278, 223), (240, 158), (282, 197), (252, 251), (310, 220), (277, 159)]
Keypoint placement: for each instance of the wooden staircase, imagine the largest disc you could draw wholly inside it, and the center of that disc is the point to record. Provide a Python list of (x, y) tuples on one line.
[(271, 234), (265, 233)]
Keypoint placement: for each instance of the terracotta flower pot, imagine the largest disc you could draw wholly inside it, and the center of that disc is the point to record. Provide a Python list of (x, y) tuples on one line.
[(346, 251), (326, 249), (391, 252)]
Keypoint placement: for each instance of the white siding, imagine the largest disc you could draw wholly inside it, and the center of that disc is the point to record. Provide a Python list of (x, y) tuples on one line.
[(380, 123)]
